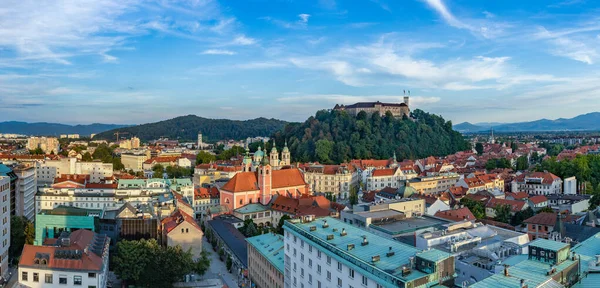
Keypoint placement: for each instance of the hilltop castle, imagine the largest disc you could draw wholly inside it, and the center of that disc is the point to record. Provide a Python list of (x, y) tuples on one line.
[(397, 109)]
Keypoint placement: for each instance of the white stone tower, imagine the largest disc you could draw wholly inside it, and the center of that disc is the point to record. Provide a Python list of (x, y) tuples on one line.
[(200, 143)]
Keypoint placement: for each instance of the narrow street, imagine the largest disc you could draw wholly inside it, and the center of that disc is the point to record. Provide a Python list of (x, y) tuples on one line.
[(217, 267)]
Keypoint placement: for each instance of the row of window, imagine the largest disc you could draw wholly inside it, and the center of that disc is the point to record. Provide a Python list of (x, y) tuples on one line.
[(62, 279)]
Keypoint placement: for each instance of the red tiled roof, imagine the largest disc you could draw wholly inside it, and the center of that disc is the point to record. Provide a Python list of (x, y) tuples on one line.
[(176, 218), (544, 218), (383, 172), (365, 163), (518, 195), (515, 206), (337, 206), (80, 240), (497, 224), (247, 181), (547, 177), (458, 190), (538, 199), (456, 215), (201, 192)]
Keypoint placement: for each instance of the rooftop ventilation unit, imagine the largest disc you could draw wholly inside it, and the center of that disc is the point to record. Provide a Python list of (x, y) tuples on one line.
[(375, 258), (390, 253), (325, 225), (350, 247), (343, 233), (313, 228), (365, 242), (330, 237)]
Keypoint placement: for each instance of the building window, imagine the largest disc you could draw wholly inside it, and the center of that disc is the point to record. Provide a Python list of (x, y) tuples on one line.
[(309, 262), (48, 278), (351, 273), (62, 279), (339, 282), (309, 279), (328, 275), (36, 277), (77, 280), (309, 248), (318, 268), (319, 254), (91, 275), (340, 266), (364, 280), (328, 260), (24, 276), (301, 257)]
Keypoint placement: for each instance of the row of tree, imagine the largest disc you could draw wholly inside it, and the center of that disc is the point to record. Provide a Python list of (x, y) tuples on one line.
[(145, 263)]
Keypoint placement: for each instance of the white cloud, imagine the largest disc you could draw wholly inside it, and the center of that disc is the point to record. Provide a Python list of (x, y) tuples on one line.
[(218, 52), (488, 14), (243, 40), (572, 43), (441, 9), (261, 65), (304, 17)]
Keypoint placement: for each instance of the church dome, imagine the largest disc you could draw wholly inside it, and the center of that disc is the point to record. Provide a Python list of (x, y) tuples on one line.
[(259, 153)]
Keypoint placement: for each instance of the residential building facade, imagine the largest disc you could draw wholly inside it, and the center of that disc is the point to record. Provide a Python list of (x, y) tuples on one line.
[(47, 144), (537, 183), (5, 221), (335, 179), (265, 260)]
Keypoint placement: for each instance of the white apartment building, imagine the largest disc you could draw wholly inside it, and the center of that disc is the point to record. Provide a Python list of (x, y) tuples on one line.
[(330, 253), (336, 179), (106, 196), (537, 183), (48, 144), (25, 191), (134, 162), (47, 170), (78, 260), (5, 227), (381, 178)]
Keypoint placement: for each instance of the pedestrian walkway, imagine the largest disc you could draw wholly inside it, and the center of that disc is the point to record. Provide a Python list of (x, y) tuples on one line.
[(217, 267)]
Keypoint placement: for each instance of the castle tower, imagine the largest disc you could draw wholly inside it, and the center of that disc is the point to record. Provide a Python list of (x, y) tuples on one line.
[(265, 180), (406, 100), (285, 155), (274, 157)]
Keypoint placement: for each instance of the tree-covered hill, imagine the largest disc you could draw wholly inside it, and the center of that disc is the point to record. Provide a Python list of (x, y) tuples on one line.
[(336, 136), (187, 128)]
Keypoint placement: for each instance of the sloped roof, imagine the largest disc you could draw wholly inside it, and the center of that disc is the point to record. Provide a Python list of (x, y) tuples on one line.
[(241, 182), (287, 178), (176, 218), (544, 218), (515, 206), (248, 181), (547, 177), (383, 172), (538, 199), (456, 215), (80, 240)]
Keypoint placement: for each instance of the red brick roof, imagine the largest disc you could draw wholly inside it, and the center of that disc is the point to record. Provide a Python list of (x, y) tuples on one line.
[(515, 206), (544, 218), (101, 186), (547, 177), (518, 195), (456, 215), (201, 192), (363, 164), (248, 181), (538, 199), (164, 159), (383, 172), (80, 240), (306, 205), (458, 190), (176, 218)]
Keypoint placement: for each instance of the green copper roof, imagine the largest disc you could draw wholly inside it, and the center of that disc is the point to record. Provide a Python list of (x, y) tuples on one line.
[(548, 244), (270, 246), (251, 208), (386, 268), (71, 211), (534, 273)]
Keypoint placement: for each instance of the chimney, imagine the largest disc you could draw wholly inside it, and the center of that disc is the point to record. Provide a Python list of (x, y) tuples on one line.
[(365, 241)]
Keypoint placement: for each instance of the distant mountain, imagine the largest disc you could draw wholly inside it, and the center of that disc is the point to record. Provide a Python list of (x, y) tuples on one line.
[(54, 129), (467, 127), (584, 122), (187, 128), (488, 124)]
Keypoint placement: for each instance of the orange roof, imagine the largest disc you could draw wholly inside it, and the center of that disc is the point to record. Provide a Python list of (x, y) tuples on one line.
[(80, 240), (518, 195), (538, 199), (176, 218), (547, 177), (241, 182), (370, 163), (287, 178), (458, 190), (456, 215), (515, 206), (383, 172)]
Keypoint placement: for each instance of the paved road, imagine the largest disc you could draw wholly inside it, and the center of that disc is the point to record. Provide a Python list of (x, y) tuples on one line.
[(217, 267)]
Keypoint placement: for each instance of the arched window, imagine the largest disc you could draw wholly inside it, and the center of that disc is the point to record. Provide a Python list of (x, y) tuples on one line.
[(227, 201), (241, 201), (267, 172), (187, 230), (43, 262), (36, 261)]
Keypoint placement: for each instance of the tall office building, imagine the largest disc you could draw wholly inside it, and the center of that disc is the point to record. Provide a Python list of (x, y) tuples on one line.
[(330, 253)]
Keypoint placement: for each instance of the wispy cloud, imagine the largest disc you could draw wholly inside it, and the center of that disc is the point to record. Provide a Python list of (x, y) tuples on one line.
[(218, 52), (301, 23), (243, 40), (304, 17)]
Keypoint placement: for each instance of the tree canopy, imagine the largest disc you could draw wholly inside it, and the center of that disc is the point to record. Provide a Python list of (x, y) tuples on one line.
[(22, 232), (335, 136), (105, 154), (476, 207)]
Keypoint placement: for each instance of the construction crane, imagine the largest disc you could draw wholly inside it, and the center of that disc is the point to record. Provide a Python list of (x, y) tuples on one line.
[(117, 133)]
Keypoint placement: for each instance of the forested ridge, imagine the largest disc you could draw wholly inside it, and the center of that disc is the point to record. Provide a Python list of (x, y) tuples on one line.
[(186, 128), (335, 137)]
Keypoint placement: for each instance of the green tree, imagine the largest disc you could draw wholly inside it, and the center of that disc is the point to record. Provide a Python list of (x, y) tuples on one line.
[(202, 264), (521, 216), (21, 233), (514, 146), (204, 157), (132, 258), (177, 172), (158, 171), (281, 223), (228, 264), (522, 163), (490, 164), (250, 230), (476, 207), (87, 157), (502, 213), (353, 197), (545, 209), (232, 152), (37, 151), (479, 148), (323, 149)]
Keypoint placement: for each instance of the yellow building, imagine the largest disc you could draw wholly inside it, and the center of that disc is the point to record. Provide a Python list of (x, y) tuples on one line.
[(433, 184), (336, 179), (133, 161)]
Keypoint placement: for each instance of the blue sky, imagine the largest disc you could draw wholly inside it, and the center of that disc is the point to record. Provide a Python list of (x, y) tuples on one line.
[(133, 61)]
